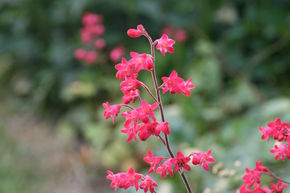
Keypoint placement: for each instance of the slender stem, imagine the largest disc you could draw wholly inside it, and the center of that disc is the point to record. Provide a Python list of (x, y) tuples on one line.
[(271, 174), (148, 90), (128, 106), (188, 188)]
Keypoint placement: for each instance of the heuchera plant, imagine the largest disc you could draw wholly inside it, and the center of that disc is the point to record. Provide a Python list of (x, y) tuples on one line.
[(279, 131), (140, 122)]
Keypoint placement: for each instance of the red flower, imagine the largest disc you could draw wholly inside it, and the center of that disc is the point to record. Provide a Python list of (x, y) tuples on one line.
[(111, 111), (131, 131), (125, 69), (91, 19), (148, 183), (148, 129), (203, 159), (278, 188), (279, 151), (141, 61), (134, 33), (165, 169), (180, 162), (146, 111), (172, 83), (116, 53), (164, 44), (124, 180), (175, 84), (164, 127), (152, 160)]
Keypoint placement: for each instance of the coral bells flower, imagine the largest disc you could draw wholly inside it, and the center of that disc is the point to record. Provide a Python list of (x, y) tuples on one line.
[(180, 162), (154, 161), (148, 184), (80, 54), (124, 180), (146, 111), (130, 96), (253, 176), (148, 129), (164, 44), (164, 127), (131, 131), (111, 111), (125, 69), (279, 151), (134, 33), (142, 61), (165, 168), (203, 159), (279, 187), (175, 84)]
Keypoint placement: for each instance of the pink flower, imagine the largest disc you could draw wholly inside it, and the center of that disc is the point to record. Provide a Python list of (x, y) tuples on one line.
[(133, 178), (134, 33), (130, 96), (267, 132), (124, 180), (125, 69), (175, 84), (90, 57), (142, 61), (148, 184), (131, 131), (86, 35), (131, 117), (111, 111), (146, 111), (279, 151), (180, 35), (164, 127), (280, 129), (279, 187), (251, 177), (91, 19), (203, 159), (164, 44), (152, 160), (187, 86), (116, 53), (100, 44), (148, 129), (180, 162), (129, 84), (172, 83), (80, 54), (165, 169)]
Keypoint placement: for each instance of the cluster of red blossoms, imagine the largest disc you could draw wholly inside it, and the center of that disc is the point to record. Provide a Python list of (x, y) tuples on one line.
[(141, 122), (91, 33), (252, 181), (279, 131)]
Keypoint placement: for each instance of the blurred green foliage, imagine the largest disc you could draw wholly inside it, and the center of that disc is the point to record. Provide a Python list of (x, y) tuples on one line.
[(237, 53)]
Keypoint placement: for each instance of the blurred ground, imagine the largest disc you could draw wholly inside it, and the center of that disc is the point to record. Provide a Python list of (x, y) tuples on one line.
[(41, 161)]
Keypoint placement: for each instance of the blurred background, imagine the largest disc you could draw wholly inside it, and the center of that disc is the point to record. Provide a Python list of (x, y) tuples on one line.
[(53, 136)]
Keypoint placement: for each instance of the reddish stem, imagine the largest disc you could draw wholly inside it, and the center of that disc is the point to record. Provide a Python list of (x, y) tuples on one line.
[(148, 90), (271, 174), (188, 188)]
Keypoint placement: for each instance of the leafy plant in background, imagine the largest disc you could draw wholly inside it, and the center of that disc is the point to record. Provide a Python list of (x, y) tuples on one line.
[(141, 120)]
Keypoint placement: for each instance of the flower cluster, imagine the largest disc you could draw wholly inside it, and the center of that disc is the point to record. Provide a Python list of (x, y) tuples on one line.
[(252, 181), (131, 178), (279, 131), (179, 34), (91, 33), (140, 120)]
